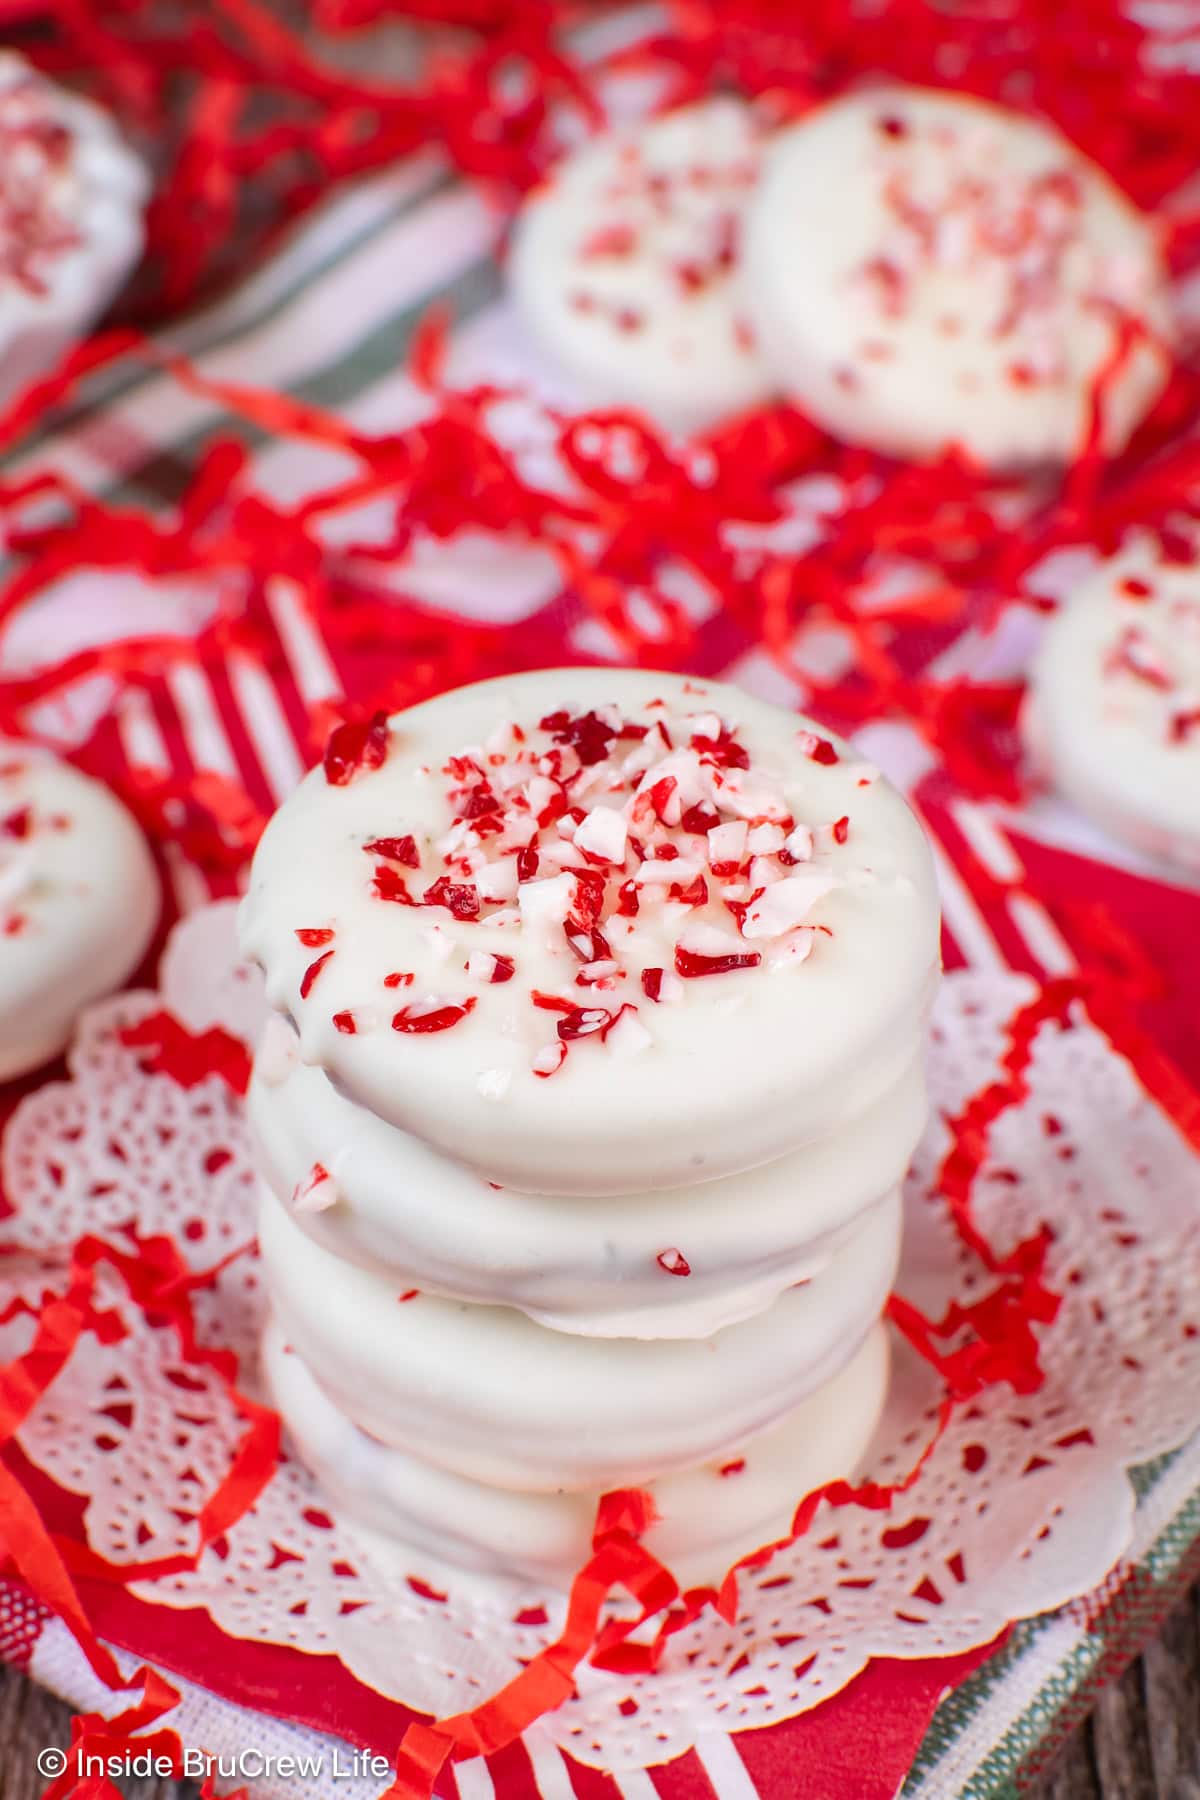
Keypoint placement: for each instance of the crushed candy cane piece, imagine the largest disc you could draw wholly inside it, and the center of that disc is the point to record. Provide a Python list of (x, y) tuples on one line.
[(356, 748), (436, 1016), (786, 904), (316, 1193)]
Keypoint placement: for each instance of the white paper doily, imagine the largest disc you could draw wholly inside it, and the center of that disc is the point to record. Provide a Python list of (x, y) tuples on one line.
[(1024, 1503)]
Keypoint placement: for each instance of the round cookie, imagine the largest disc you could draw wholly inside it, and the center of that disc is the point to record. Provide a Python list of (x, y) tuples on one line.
[(599, 931), (72, 195), (625, 266), (926, 270), (1113, 712), (485, 1392), (603, 1267), (79, 900), (708, 1516)]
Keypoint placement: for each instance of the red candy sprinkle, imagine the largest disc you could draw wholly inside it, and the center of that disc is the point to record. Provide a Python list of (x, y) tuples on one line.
[(18, 823), (652, 980), (589, 945), (461, 897), (690, 963), (588, 735), (527, 862), (396, 849), (388, 885), (552, 1002), (724, 750), (550, 1061), (817, 749), (503, 968), (694, 894), (584, 1021), (841, 829), (479, 802), (674, 1262), (609, 240), (408, 1294), (732, 1468), (311, 973), (441, 1018), (313, 936), (344, 1022), (356, 747), (628, 899), (700, 818), (656, 799), (398, 979)]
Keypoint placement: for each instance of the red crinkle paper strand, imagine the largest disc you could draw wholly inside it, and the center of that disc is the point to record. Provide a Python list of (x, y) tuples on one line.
[(448, 473)]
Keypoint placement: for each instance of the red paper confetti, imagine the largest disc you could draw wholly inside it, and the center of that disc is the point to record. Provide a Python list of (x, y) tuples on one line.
[(189, 1057)]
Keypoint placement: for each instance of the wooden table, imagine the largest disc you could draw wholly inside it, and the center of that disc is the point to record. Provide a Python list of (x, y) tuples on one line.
[(1141, 1743)]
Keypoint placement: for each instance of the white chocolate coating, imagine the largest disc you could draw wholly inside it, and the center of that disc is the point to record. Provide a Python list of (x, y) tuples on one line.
[(925, 270), (708, 1516), (485, 1392), (1113, 713), (836, 942), (596, 1266), (71, 200), (79, 900), (625, 266)]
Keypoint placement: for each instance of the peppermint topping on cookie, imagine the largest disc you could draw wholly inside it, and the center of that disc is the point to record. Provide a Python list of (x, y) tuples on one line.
[(927, 270), (36, 186), (1151, 661), (594, 835), (625, 265)]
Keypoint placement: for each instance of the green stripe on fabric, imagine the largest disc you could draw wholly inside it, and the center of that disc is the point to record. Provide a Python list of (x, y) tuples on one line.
[(992, 1779), (210, 331), (165, 475), (994, 1776)]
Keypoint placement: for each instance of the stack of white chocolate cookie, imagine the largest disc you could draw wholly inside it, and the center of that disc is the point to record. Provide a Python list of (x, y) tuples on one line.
[(597, 1066)]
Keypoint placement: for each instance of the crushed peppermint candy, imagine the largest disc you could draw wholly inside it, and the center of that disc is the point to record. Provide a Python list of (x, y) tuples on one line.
[(356, 748), (316, 1193), (311, 973), (435, 1016), (588, 833), (1152, 659)]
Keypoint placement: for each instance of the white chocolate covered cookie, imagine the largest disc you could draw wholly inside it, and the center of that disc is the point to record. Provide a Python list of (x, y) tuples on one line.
[(486, 1393), (676, 1262), (599, 931), (926, 270), (708, 1516), (79, 900), (71, 200), (625, 266), (1113, 713)]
